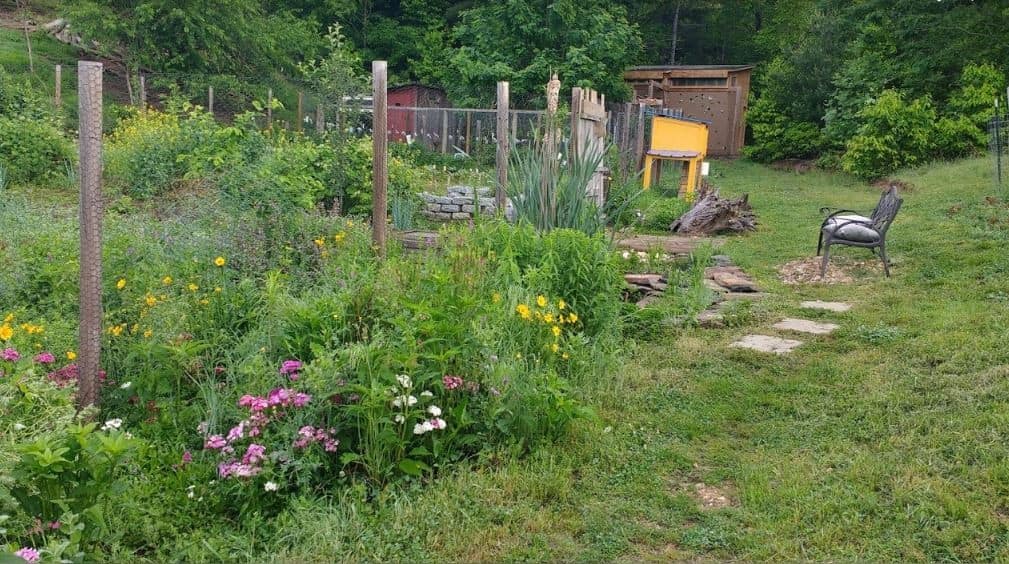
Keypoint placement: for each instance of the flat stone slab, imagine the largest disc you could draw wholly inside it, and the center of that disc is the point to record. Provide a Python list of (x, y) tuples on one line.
[(839, 307), (766, 343), (806, 326)]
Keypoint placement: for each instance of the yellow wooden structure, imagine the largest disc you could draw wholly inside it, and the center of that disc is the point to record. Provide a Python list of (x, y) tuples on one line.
[(677, 139)]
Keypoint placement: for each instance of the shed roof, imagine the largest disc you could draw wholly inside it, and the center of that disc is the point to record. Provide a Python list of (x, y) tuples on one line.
[(690, 67)]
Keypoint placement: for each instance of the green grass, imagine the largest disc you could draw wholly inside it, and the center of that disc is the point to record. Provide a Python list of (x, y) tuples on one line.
[(886, 441)]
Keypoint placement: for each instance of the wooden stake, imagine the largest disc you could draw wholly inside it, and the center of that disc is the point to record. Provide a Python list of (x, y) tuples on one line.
[(89, 88), (58, 90), (320, 119), (143, 92), (269, 108), (469, 119), (503, 147), (444, 131), (380, 172), (639, 140), (31, 57), (576, 108), (301, 109)]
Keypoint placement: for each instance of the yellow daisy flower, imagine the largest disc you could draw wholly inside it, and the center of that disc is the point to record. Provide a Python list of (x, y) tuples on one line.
[(541, 301), (121, 283), (219, 261), (6, 332), (167, 280), (556, 330), (523, 311), (71, 355)]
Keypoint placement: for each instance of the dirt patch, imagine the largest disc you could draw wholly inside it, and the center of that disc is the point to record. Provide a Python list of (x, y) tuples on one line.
[(886, 183), (842, 270), (711, 497)]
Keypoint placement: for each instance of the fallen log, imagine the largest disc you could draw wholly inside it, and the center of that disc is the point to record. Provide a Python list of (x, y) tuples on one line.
[(714, 214)]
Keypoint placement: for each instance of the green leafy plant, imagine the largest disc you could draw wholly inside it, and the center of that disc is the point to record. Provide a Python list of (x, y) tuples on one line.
[(550, 194)]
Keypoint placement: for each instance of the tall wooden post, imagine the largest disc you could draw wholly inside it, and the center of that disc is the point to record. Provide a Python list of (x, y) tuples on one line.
[(625, 137), (210, 99), (58, 87), (576, 108), (514, 118), (380, 172), (639, 139), (301, 109), (548, 195), (469, 120), (269, 108), (143, 92), (444, 131), (89, 88), (503, 146), (320, 118)]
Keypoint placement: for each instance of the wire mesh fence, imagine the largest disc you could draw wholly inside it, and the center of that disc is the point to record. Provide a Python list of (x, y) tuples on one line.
[(998, 149)]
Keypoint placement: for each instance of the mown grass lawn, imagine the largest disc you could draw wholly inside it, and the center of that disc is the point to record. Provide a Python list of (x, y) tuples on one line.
[(884, 441)]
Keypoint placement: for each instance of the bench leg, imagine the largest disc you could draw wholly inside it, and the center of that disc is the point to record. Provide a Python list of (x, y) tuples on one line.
[(826, 259), (819, 243)]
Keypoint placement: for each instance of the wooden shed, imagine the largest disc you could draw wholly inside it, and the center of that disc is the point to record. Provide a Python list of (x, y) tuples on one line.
[(716, 94), (409, 121)]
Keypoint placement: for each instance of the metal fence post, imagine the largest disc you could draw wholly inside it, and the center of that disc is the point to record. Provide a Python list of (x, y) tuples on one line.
[(89, 86), (210, 99)]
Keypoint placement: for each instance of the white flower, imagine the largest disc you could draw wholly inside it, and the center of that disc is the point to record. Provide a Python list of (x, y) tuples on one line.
[(426, 394), (421, 428), (125, 385), (128, 435), (608, 429), (112, 424), (411, 401), (399, 418), (397, 402), (202, 427), (627, 255), (270, 486), (190, 493), (404, 400), (434, 410), (437, 423), (404, 380), (19, 427)]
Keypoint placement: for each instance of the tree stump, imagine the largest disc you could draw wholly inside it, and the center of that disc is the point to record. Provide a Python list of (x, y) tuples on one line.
[(714, 214)]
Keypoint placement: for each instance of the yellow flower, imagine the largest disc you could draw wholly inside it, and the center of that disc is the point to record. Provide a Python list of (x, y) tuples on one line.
[(518, 356), (219, 261), (573, 318), (523, 311), (561, 305), (548, 318), (148, 333), (6, 332), (204, 302), (217, 289), (339, 237), (556, 330), (116, 330), (555, 347), (134, 328), (121, 284), (350, 224), (9, 318), (167, 280), (319, 242), (150, 300), (541, 301), (71, 355), (496, 297), (192, 287), (565, 356)]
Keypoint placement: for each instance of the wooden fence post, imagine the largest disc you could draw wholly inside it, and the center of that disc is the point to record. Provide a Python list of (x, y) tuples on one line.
[(639, 140), (89, 87), (143, 92), (320, 118), (503, 146), (269, 108), (469, 120), (625, 136), (301, 109), (58, 90), (444, 131), (576, 108), (380, 147), (210, 99)]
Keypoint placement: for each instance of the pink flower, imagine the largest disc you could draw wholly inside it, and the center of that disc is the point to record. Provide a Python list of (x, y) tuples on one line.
[(218, 370), (10, 355), (254, 454), (279, 396), (307, 431), (187, 457), (45, 358), (451, 382), (330, 445), (215, 442), (237, 432), (290, 368), (246, 400), (300, 399), (437, 423), (54, 525), (28, 554)]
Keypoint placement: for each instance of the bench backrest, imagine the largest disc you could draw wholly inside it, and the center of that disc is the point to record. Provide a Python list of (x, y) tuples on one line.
[(886, 210)]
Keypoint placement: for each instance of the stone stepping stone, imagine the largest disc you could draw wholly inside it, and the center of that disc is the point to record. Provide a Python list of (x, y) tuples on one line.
[(766, 343), (806, 326), (839, 307)]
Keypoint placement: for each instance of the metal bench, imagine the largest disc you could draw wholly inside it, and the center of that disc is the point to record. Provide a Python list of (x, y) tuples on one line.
[(846, 227)]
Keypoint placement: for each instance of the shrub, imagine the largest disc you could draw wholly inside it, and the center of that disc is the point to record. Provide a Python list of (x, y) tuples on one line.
[(143, 153), (894, 134), (34, 151), (775, 136), (979, 85)]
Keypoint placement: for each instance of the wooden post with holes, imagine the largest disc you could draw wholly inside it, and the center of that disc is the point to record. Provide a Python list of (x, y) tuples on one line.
[(380, 171), (210, 99), (503, 147), (269, 108), (444, 131), (89, 88), (301, 109), (58, 90)]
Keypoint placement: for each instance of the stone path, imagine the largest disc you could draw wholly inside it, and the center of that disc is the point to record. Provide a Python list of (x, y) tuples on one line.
[(805, 326), (838, 307), (766, 343)]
